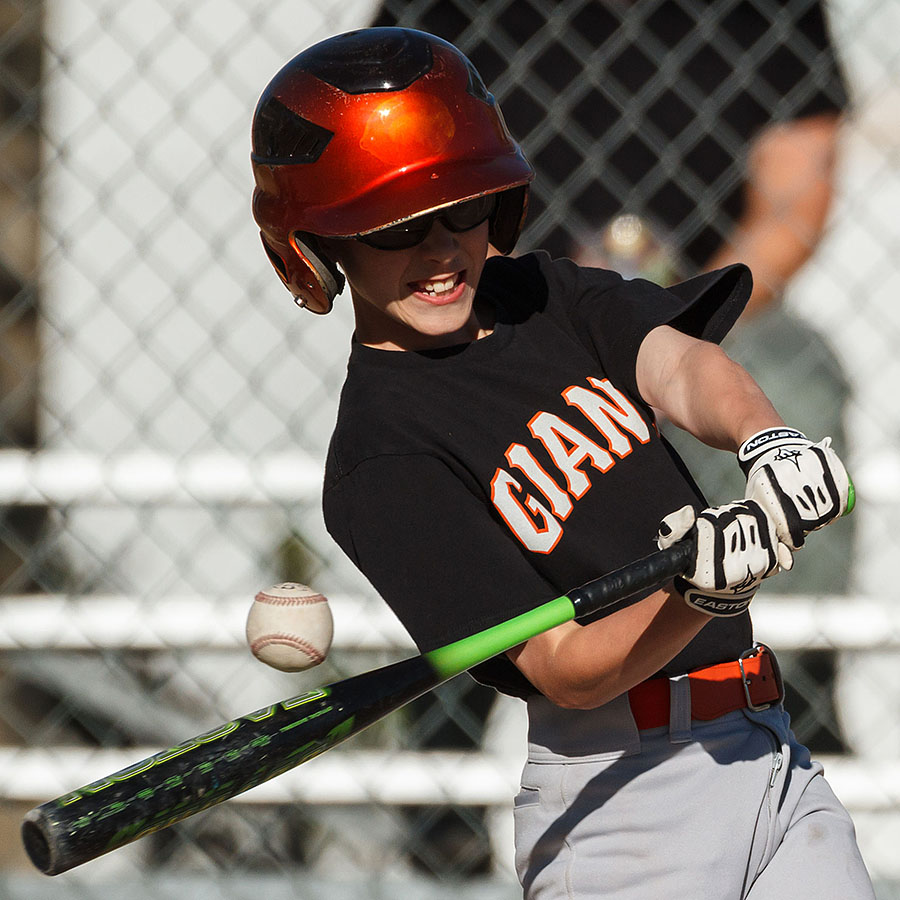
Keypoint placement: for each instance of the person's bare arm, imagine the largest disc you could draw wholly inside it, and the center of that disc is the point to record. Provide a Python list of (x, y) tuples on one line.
[(701, 390), (790, 176), (582, 667)]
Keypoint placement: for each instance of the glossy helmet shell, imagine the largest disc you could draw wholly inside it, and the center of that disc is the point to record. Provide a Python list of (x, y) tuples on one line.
[(367, 129)]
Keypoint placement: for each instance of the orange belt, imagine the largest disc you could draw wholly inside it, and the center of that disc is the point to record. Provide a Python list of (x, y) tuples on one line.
[(751, 682)]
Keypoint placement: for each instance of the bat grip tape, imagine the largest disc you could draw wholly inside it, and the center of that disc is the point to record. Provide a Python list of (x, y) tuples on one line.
[(644, 574)]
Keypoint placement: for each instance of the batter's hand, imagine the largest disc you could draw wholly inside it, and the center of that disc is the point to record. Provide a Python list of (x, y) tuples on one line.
[(803, 486), (736, 548)]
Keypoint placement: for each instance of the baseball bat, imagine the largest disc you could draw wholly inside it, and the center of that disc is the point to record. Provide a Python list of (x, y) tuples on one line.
[(213, 767)]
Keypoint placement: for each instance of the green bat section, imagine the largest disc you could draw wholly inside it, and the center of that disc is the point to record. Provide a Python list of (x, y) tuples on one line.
[(851, 499), (452, 659)]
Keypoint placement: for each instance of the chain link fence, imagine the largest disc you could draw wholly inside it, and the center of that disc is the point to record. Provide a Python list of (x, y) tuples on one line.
[(165, 410)]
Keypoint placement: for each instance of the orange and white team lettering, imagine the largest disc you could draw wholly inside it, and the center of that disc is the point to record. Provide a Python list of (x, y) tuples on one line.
[(574, 453)]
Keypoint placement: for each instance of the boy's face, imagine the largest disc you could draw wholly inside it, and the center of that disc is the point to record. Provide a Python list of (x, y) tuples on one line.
[(419, 298)]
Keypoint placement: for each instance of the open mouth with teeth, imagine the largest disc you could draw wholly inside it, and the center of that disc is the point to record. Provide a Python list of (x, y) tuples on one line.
[(444, 289)]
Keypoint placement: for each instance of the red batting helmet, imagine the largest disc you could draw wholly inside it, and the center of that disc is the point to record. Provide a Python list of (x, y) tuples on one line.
[(368, 129)]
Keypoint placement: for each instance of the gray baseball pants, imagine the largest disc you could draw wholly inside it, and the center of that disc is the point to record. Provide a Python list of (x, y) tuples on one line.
[(732, 809)]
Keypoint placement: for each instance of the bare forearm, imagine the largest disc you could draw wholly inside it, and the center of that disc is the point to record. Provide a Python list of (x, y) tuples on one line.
[(582, 667), (721, 404), (699, 389), (773, 250), (788, 194)]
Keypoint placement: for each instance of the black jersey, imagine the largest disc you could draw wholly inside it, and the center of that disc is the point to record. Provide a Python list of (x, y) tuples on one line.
[(472, 483)]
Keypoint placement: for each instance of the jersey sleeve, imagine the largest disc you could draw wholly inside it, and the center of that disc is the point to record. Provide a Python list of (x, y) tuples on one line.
[(612, 316), (434, 553)]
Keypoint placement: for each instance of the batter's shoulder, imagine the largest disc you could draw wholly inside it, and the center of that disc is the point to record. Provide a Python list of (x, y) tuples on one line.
[(376, 417), (514, 286), (535, 282)]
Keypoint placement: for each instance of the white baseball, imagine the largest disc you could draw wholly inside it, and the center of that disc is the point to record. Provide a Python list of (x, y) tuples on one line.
[(290, 627)]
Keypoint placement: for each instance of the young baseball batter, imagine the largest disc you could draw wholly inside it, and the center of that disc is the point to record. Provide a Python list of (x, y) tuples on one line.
[(496, 446)]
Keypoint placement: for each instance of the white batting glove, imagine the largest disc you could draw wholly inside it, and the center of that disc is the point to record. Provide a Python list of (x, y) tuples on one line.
[(737, 547), (803, 486)]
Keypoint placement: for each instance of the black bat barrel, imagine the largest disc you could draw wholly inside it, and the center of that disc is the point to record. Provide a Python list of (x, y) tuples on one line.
[(209, 768)]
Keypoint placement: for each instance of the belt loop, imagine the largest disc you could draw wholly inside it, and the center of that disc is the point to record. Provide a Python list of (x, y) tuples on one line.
[(680, 709)]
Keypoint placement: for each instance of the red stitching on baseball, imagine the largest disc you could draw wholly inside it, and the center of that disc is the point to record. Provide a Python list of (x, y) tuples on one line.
[(289, 601), (288, 640)]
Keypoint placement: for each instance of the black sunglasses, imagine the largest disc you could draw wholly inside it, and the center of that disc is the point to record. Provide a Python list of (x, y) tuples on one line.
[(459, 217)]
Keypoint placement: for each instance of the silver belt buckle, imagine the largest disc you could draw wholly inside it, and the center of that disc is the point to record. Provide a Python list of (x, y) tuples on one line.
[(748, 654)]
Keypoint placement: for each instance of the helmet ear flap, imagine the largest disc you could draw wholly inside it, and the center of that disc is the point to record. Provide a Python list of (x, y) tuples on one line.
[(306, 272), (508, 218), (317, 297)]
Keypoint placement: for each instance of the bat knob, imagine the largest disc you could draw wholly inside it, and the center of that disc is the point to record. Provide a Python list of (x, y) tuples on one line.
[(37, 845)]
